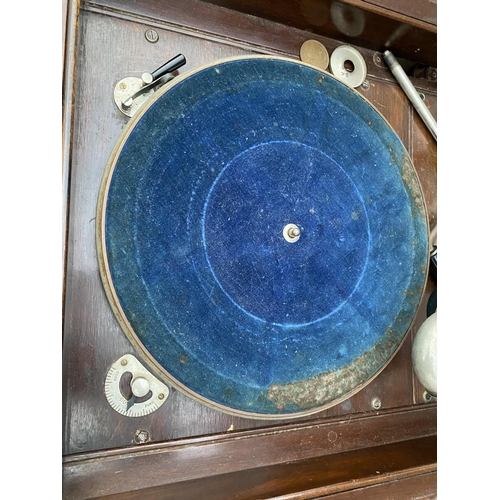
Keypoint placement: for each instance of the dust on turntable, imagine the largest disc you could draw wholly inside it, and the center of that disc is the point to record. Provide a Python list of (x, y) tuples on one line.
[(262, 237)]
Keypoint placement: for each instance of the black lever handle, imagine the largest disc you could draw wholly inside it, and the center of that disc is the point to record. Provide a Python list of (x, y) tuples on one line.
[(174, 63), (150, 79)]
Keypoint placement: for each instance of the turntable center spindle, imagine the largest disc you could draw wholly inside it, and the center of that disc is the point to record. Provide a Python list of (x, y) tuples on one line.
[(291, 233)]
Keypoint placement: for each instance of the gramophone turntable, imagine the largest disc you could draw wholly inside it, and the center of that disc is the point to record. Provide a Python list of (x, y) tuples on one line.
[(246, 261)]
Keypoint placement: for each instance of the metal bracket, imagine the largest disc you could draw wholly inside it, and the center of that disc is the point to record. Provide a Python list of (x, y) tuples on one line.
[(131, 390), (132, 92)]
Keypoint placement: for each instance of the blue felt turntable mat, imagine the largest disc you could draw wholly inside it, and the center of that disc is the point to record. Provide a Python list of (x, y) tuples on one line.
[(193, 255)]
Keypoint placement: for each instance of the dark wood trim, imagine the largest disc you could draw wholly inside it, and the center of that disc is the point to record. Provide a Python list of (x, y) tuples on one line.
[(401, 14), (209, 21), (71, 13), (298, 480), (421, 486), (353, 22), (91, 475), (276, 28), (420, 10), (221, 25)]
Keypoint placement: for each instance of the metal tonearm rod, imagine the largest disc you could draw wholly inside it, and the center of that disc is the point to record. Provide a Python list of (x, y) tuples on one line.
[(411, 92)]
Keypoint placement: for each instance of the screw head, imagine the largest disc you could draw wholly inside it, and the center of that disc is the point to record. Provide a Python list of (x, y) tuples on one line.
[(376, 403), (427, 396), (141, 436), (151, 36)]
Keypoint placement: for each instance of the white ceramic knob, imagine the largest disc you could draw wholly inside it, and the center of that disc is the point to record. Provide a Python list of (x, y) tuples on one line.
[(140, 387), (424, 354)]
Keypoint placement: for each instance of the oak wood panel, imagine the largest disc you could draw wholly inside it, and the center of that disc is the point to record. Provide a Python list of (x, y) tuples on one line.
[(257, 30), (71, 11), (64, 31), (93, 339), (93, 474), (112, 47), (424, 156), (389, 99), (308, 479), (423, 10), (419, 487), (350, 21), (423, 151)]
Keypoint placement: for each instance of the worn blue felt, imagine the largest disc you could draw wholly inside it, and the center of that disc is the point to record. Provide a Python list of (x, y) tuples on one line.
[(197, 202)]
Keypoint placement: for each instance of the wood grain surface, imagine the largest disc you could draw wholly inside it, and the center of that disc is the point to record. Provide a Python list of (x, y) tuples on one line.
[(399, 25), (313, 478), (118, 471)]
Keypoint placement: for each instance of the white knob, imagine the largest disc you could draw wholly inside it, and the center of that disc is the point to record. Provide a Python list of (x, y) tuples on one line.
[(424, 354), (140, 387)]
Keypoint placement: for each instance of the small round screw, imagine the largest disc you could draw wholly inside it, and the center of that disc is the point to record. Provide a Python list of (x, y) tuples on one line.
[(124, 362), (365, 85), (376, 403), (141, 436), (161, 395), (151, 36), (427, 397)]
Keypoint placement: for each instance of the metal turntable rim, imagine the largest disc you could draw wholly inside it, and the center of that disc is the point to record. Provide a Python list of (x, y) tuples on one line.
[(110, 291)]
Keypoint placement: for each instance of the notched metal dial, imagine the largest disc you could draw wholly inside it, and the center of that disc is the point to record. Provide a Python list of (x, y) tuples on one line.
[(131, 390)]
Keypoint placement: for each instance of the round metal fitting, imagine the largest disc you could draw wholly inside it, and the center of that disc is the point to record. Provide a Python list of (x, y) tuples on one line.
[(348, 65), (315, 54), (428, 397), (141, 384), (376, 403), (151, 36), (291, 233), (141, 436)]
